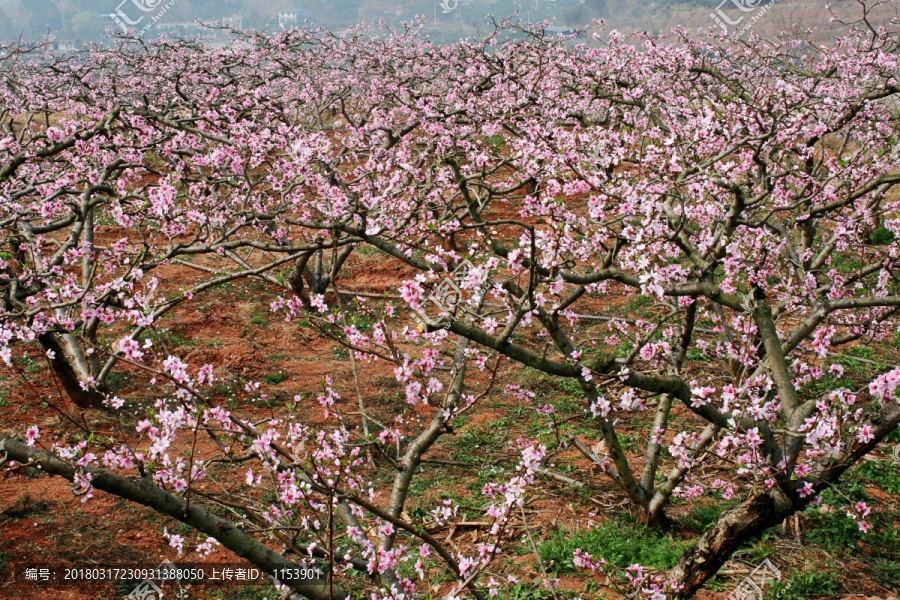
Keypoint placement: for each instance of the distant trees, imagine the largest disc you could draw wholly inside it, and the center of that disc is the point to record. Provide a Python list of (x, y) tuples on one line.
[(339, 13), (40, 15), (86, 26), (213, 9), (8, 31), (598, 8), (573, 13)]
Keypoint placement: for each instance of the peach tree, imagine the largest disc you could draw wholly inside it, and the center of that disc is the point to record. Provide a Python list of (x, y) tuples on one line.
[(686, 225)]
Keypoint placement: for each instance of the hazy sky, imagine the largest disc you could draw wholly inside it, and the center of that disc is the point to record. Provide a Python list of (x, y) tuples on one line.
[(448, 19), (84, 18)]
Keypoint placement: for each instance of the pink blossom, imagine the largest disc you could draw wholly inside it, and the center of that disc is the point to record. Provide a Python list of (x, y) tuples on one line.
[(865, 434), (31, 435), (806, 490)]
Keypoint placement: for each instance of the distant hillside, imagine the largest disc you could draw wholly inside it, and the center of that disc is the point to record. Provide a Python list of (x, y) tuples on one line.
[(449, 20)]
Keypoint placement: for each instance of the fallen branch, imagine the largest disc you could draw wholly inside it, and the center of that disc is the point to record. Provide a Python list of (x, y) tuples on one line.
[(142, 491)]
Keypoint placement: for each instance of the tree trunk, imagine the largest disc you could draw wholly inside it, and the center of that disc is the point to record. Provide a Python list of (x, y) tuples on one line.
[(68, 380), (759, 512), (655, 519), (733, 529)]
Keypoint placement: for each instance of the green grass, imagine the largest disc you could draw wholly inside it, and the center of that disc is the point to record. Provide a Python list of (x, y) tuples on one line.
[(695, 353), (621, 543), (116, 380), (361, 321), (703, 516), (29, 364), (638, 301), (275, 378), (845, 265), (170, 338), (886, 571), (862, 352), (718, 584), (882, 236), (570, 387), (568, 405), (526, 591), (182, 528), (498, 141), (471, 443), (367, 250), (893, 437), (837, 533), (485, 476), (813, 581), (858, 368), (424, 481), (882, 473), (828, 382), (624, 349)]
